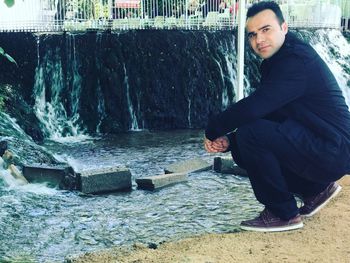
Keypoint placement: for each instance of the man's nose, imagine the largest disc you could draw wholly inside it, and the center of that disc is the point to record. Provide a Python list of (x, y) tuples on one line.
[(260, 38)]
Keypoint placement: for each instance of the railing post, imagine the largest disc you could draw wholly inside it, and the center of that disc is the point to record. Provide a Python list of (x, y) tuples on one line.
[(240, 53), (110, 9), (186, 15)]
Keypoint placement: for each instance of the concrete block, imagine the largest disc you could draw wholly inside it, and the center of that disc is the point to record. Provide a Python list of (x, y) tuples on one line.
[(188, 166), (227, 166), (61, 175), (104, 180), (158, 181)]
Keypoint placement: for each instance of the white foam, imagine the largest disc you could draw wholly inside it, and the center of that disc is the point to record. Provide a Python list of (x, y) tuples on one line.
[(17, 185)]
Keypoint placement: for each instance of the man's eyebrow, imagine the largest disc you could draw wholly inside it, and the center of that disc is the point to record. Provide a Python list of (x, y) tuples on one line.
[(263, 27), (252, 33)]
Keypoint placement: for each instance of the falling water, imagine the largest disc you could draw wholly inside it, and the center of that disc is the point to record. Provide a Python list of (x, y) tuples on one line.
[(224, 95), (100, 107), (76, 83), (133, 118), (50, 89), (189, 113), (335, 51), (10, 127)]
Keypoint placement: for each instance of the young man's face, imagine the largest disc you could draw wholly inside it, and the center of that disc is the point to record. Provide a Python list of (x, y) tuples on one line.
[(265, 34)]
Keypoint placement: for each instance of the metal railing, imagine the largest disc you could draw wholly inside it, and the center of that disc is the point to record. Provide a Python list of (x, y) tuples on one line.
[(81, 15)]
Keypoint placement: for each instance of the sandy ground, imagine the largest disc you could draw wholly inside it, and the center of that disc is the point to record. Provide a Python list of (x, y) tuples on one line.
[(324, 238)]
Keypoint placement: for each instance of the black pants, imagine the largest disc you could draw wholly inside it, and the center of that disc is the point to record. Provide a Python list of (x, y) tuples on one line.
[(273, 165)]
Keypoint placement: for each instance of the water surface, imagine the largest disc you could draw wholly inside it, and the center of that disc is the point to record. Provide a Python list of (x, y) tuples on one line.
[(42, 224)]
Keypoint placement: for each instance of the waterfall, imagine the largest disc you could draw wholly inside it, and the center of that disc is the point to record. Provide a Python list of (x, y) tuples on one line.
[(231, 63), (101, 82), (100, 107), (21, 144), (9, 127), (224, 97), (133, 117), (228, 72), (335, 51), (51, 89), (189, 113), (76, 83)]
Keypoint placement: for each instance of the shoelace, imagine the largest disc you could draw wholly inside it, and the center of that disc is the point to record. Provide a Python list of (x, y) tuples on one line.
[(267, 217)]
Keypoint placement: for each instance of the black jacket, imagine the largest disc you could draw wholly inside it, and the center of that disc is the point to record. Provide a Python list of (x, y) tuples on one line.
[(298, 90)]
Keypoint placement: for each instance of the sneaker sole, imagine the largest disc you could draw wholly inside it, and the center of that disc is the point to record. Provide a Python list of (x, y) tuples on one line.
[(273, 229), (335, 193)]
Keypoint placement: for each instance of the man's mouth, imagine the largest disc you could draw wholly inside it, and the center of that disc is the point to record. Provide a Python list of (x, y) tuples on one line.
[(263, 48)]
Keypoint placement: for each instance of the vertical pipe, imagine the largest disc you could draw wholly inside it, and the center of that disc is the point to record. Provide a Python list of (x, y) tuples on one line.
[(240, 53), (186, 14)]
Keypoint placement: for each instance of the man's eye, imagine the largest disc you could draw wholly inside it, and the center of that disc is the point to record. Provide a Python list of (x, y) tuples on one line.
[(265, 29), (251, 36)]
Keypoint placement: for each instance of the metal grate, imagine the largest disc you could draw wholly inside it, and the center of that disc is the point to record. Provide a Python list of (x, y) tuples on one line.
[(82, 15)]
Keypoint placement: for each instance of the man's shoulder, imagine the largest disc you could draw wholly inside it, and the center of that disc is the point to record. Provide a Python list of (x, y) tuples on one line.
[(295, 45), (295, 52)]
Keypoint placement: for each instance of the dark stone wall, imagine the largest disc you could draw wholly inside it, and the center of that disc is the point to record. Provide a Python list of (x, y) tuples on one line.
[(161, 70), (170, 79), (159, 73)]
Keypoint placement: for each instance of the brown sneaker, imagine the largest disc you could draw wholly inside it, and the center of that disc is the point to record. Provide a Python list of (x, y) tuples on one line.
[(267, 222), (314, 204)]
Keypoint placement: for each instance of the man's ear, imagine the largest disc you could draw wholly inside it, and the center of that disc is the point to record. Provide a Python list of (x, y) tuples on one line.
[(284, 27)]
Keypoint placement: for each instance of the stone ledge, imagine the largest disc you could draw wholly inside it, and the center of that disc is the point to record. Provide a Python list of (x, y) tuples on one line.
[(104, 180), (61, 175), (188, 166), (88, 181), (159, 181)]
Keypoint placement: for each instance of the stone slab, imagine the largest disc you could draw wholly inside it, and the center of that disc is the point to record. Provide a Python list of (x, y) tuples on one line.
[(188, 166), (104, 180), (61, 175), (227, 166), (159, 181)]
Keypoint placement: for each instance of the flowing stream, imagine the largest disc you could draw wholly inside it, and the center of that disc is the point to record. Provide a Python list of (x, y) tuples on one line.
[(41, 224)]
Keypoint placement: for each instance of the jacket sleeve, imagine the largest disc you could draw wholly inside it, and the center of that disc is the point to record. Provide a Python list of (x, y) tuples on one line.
[(285, 82)]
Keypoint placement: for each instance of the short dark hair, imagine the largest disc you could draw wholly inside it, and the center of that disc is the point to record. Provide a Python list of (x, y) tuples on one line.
[(261, 6)]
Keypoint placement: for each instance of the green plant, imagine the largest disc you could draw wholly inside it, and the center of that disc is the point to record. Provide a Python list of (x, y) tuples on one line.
[(9, 3), (2, 53)]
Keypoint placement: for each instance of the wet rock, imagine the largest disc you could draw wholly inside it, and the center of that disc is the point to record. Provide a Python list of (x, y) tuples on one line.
[(3, 147), (152, 245), (227, 166)]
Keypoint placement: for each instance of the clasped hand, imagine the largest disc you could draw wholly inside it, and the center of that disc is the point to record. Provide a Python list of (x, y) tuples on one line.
[(220, 144)]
